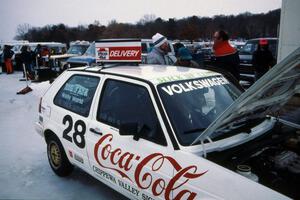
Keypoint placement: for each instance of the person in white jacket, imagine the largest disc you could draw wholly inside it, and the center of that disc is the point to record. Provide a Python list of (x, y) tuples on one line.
[(160, 49)]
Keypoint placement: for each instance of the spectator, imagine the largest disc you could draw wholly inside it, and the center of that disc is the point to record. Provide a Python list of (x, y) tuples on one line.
[(227, 57), (45, 54), (7, 56), (177, 46), (184, 58), (26, 58), (160, 49), (38, 55), (262, 59)]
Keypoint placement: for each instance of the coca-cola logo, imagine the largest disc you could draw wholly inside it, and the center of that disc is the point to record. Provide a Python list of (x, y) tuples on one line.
[(121, 161)]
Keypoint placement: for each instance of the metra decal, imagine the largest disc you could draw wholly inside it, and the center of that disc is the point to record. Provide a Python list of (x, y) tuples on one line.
[(122, 162)]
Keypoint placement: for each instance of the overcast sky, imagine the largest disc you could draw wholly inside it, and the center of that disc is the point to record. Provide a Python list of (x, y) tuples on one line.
[(75, 12)]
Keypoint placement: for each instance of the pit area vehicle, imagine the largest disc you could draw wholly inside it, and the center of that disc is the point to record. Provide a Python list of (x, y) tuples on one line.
[(245, 53), (59, 62), (166, 132)]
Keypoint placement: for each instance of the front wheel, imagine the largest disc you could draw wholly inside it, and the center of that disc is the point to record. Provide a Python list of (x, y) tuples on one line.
[(57, 158)]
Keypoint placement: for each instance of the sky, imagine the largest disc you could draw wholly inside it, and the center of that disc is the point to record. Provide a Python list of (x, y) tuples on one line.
[(39, 13)]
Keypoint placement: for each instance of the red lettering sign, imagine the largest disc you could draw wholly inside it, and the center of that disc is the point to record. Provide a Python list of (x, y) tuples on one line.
[(122, 162), (129, 53)]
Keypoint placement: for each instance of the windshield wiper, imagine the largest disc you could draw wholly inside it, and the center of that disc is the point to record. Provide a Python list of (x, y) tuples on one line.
[(194, 130)]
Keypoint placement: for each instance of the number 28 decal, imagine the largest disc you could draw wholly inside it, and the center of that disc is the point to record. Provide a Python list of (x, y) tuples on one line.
[(79, 131)]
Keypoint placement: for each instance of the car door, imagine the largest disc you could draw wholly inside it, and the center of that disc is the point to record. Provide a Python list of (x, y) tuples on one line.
[(126, 142), (70, 115)]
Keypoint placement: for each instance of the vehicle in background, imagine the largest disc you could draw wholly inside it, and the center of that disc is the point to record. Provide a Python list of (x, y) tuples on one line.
[(87, 59), (59, 62), (237, 44), (246, 67)]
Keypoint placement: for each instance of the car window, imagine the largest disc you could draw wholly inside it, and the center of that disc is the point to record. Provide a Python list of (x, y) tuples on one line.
[(125, 103), (249, 47), (90, 51), (77, 93)]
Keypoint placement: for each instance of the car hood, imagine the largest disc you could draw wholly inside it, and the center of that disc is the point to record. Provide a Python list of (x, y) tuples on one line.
[(276, 94)]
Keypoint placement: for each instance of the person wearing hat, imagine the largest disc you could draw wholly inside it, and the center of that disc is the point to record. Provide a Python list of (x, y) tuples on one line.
[(262, 59), (160, 49), (184, 58)]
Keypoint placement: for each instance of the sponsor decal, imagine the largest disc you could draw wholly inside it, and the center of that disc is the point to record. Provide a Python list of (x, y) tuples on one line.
[(178, 88), (129, 53), (121, 162)]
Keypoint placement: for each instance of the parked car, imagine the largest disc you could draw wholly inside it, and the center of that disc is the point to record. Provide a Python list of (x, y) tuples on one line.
[(59, 62), (245, 54), (87, 59), (166, 132)]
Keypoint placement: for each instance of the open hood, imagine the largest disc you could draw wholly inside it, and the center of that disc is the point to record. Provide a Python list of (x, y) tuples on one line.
[(276, 94)]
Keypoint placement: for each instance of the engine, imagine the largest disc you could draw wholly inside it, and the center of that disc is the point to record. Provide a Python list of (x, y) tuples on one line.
[(272, 160)]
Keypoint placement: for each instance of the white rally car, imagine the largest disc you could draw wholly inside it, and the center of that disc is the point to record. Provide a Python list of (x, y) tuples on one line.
[(166, 132)]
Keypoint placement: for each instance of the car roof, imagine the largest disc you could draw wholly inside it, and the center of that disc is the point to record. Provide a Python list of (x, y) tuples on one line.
[(153, 73)]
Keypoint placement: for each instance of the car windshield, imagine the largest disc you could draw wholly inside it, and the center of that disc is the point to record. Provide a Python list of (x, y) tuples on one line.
[(192, 105), (77, 49), (91, 51), (249, 47)]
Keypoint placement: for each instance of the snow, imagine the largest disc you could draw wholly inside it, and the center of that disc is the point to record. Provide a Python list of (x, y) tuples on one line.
[(24, 169)]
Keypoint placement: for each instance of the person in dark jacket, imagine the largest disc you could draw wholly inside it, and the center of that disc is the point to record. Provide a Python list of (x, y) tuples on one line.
[(26, 58), (262, 59), (227, 56), (7, 55)]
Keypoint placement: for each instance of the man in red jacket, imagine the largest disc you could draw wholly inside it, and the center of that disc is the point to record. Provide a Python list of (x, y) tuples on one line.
[(227, 57)]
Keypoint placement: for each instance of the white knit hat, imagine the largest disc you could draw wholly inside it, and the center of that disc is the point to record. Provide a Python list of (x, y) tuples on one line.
[(158, 39)]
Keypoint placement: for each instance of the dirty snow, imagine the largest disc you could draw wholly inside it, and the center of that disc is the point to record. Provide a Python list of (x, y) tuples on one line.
[(24, 169)]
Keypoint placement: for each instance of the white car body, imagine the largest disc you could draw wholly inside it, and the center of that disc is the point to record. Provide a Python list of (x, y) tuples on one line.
[(142, 169)]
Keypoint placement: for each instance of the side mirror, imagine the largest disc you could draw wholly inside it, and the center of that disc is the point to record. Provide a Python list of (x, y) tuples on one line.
[(129, 129)]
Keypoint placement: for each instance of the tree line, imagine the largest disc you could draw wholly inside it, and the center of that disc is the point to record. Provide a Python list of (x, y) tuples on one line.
[(245, 25)]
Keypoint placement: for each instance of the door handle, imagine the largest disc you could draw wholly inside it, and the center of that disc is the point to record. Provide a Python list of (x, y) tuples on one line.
[(96, 131)]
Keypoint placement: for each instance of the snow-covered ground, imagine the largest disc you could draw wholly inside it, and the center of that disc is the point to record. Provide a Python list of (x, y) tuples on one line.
[(24, 169)]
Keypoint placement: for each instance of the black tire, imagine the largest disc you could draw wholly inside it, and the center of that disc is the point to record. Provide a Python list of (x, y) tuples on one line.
[(57, 157)]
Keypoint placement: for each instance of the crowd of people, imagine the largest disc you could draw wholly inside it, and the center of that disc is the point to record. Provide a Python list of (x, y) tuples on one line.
[(226, 57), (26, 57)]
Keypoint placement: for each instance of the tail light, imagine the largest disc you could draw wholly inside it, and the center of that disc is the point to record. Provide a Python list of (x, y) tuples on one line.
[(40, 105)]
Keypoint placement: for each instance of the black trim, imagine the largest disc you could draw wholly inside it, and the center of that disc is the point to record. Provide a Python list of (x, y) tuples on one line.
[(158, 41), (164, 143), (159, 105)]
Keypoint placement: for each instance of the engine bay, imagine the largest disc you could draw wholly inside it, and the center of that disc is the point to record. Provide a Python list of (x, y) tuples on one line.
[(272, 159)]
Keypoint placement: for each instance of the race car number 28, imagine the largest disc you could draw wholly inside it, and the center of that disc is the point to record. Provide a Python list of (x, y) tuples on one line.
[(79, 131)]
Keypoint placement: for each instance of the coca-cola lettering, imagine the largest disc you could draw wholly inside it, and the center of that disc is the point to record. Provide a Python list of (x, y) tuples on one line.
[(122, 161)]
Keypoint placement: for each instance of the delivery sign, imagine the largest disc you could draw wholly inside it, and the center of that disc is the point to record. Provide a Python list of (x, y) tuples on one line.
[(118, 50)]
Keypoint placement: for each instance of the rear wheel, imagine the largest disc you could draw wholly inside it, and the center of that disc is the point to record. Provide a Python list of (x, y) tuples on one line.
[(57, 157)]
